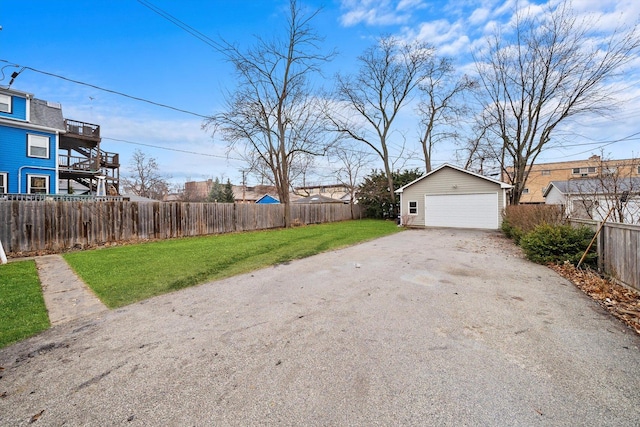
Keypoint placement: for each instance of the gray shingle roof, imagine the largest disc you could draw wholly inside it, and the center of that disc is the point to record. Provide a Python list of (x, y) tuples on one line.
[(318, 198), (47, 114), (595, 185)]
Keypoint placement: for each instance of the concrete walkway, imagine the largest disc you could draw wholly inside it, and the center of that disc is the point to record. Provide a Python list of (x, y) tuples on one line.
[(65, 295)]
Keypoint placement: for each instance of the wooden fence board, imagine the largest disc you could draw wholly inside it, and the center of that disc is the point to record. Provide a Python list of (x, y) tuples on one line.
[(618, 250), (58, 225)]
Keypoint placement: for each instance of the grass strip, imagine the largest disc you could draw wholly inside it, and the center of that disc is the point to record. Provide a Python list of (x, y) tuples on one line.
[(126, 274), (22, 309)]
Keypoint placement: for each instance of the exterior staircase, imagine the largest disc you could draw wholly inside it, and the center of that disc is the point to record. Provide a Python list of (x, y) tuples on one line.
[(84, 161)]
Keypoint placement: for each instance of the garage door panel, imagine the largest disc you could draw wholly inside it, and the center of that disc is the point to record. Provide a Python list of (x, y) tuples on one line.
[(462, 210)]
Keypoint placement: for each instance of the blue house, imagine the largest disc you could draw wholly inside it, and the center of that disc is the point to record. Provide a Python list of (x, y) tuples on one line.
[(267, 200), (29, 138), (40, 149)]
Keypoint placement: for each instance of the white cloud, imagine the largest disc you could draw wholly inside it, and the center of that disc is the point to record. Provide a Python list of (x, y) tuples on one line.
[(380, 12), (410, 5), (449, 38), (479, 16)]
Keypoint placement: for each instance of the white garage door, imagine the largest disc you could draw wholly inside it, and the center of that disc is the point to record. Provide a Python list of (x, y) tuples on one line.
[(462, 210)]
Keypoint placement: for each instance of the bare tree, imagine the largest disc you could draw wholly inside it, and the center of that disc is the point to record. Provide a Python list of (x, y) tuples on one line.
[(614, 192), (440, 106), (547, 69), (272, 117), (390, 72), (144, 178), (352, 163)]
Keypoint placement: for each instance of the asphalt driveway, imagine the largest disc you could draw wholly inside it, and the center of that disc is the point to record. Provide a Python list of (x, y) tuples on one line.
[(425, 327)]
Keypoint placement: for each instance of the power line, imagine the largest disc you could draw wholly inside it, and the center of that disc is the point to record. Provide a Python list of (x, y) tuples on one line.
[(136, 98), (184, 26), (172, 149)]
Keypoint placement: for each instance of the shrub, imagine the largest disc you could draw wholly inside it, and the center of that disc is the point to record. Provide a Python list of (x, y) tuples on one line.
[(511, 231), (558, 243), (521, 219)]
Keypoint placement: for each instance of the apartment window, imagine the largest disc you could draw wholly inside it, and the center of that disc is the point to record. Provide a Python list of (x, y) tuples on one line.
[(584, 171), (525, 191), (38, 184), (609, 170), (3, 183), (546, 172), (413, 208), (638, 170), (38, 146), (5, 103)]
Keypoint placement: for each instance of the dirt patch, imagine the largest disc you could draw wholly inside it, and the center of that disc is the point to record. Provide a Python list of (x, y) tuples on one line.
[(622, 302)]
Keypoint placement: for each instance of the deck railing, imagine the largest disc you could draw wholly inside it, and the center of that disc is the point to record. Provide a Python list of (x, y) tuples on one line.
[(85, 130), (77, 163)]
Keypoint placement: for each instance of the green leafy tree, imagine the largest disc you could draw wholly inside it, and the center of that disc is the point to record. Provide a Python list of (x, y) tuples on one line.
[(375, 196)]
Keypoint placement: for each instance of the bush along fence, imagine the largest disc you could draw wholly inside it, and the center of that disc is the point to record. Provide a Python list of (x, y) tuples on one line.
[(618, 247), (55, 226)]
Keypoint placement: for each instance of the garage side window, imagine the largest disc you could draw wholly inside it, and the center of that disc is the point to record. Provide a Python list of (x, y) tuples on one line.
[(413, 207)]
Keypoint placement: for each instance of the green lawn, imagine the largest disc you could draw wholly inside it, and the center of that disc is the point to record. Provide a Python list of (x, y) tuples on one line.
[(22, 309), (126, 274)]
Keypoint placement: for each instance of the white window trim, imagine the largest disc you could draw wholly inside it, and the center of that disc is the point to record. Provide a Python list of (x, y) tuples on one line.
[(9, 102), (31, 138), (409, 207), (5, 182), (46, 177)]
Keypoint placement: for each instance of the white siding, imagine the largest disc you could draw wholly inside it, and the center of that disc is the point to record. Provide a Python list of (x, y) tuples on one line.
[(555, 197)]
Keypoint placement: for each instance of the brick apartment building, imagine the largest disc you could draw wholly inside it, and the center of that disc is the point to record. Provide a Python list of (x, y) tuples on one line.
[(542, 174)]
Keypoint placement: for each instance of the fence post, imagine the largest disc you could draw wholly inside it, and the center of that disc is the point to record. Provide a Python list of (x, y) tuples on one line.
[(235, 216)]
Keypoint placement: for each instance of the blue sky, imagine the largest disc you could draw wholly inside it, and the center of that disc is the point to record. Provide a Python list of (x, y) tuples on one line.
[(123, 46)]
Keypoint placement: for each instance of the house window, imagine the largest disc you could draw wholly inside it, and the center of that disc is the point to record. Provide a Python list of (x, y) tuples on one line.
[(525, 191), (3, 183), (5, 103), (546, 172), (413, 208), (38, 146), (38, 184)]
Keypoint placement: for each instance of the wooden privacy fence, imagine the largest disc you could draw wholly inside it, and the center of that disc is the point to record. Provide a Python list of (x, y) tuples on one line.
[(54, 226), (618, 247)]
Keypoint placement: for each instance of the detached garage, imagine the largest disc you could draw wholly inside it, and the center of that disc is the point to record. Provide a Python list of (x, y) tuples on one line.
[(450, 196)]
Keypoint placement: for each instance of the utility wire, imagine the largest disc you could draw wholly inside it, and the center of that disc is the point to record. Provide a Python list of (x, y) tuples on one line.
[(184, 26), (171, 149), (136, 98)]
